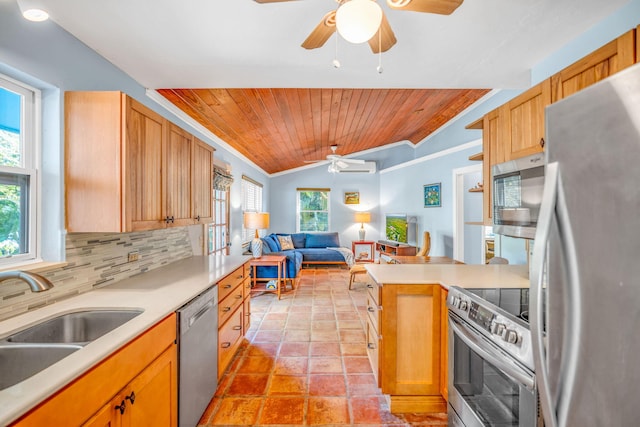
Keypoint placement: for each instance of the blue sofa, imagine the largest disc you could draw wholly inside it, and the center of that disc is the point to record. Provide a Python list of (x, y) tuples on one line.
[(308, 248)]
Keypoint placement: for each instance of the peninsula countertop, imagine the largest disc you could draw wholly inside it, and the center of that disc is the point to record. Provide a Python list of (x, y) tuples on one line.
[(462, 275), (158, 292)]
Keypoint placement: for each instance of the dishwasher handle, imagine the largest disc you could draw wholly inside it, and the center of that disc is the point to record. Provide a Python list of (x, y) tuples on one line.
[(192, 311)]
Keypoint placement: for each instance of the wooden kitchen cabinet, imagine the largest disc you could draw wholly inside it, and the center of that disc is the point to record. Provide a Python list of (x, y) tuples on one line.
[(178, 159), (523, 122), (150, 399), (404, 345), (600, 64), (129, 169), (492, 153), (147, 366), (202, 191), (444, 344), (233, 305)]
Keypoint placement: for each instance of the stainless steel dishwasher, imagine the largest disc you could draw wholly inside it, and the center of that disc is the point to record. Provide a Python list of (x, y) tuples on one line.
[(197, 356)]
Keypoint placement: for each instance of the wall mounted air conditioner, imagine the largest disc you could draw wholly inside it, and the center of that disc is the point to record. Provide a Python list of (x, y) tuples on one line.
[(366, 167)]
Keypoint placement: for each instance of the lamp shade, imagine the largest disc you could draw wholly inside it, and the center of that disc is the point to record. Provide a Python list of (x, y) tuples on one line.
[(256, 220), (32, 10), (363, 217), (358, 20)]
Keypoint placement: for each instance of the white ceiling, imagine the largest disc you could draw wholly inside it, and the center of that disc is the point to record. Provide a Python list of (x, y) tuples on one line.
[(240, 43)]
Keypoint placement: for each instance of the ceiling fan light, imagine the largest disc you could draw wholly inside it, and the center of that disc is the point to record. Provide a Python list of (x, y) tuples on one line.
[(358, 21), (32, 11)]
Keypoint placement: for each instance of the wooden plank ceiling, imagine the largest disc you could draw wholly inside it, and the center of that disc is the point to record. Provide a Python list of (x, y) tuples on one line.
[(280, 129)]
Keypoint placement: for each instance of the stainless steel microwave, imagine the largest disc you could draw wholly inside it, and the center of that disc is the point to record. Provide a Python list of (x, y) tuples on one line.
[(517, 193)]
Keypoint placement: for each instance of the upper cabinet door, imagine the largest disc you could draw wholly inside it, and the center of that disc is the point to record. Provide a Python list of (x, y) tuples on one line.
[(524, 121), (600, 64), (202, 182), (142, 177), (178, 159)]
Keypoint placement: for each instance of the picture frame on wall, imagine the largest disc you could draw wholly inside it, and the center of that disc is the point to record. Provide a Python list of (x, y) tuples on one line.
[(351, 197), (432, 198)]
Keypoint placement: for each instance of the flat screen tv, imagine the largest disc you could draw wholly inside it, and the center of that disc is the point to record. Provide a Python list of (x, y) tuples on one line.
[(395, 227)]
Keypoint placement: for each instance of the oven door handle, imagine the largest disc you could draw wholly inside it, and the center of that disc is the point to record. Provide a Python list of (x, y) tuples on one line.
[(505, 365)]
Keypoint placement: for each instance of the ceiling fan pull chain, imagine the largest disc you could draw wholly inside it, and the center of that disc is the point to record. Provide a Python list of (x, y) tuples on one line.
[(379, 68), (335, 62)]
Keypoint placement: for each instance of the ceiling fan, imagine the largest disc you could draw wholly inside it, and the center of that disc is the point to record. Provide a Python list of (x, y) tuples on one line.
[(337, 161), (376, 30)]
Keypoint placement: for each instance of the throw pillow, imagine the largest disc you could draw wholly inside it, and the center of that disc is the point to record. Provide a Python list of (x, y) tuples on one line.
[(285, 242), (265, 247)]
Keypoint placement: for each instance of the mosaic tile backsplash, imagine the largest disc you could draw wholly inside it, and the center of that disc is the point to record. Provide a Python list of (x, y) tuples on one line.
[(95, 260)]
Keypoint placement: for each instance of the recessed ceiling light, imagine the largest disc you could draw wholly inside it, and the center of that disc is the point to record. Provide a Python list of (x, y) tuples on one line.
[(31, 11)]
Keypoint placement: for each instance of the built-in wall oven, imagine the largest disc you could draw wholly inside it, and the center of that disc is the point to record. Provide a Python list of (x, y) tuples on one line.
[(491, 373)]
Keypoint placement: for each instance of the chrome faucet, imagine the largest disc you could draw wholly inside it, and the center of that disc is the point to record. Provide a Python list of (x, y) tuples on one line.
[(36, 282)]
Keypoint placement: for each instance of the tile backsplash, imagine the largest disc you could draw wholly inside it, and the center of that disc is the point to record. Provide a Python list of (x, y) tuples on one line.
[(95, 260)]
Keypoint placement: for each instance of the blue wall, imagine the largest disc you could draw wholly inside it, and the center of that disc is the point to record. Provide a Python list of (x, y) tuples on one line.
[(283, 201)]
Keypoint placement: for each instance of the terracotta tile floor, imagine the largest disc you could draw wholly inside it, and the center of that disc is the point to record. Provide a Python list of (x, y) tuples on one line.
[(304, 362)]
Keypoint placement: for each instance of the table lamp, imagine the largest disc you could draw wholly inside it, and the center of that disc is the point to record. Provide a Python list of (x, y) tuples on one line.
[(256, 221), (362, 217)]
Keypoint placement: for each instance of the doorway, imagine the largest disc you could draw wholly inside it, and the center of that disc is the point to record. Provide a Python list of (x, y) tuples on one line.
[(468, 240)]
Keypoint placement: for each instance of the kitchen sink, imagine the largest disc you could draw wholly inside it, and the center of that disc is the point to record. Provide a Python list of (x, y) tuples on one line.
[(20, 361), (79, 327)]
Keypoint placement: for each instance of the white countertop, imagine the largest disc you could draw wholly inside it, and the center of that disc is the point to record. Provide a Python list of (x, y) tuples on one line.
[(462, 275), (158, 292)]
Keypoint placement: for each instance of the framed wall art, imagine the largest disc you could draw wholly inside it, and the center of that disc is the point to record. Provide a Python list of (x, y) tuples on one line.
[(351, 197), (432, 195)]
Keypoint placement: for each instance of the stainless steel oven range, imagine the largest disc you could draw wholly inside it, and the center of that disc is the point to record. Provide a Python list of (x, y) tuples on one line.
[(491, 370)]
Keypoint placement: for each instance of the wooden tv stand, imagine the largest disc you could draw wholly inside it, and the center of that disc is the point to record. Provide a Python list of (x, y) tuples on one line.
[(390, 248)]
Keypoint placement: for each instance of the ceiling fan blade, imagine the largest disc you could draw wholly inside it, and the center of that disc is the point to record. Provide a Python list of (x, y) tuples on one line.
[(341, 164), (322, 32), (441, 7), (387, 40)]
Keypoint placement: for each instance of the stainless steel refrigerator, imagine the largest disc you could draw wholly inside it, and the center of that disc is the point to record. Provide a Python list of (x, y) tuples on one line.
[(585, 277)]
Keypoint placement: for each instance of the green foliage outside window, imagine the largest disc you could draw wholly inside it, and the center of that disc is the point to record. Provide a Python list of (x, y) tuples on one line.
[(314, 210), (10, 196)]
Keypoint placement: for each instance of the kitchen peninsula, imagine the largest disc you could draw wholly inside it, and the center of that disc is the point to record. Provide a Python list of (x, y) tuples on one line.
[(406, 328)]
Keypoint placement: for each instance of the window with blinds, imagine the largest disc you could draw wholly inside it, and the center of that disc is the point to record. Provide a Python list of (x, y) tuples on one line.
[(251, 202)]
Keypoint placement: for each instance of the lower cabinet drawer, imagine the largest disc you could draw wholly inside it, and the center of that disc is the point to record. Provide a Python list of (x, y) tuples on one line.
[(246, 313), (229, 304), (229, 337), (373, 312), (373, 292), (373, 350)]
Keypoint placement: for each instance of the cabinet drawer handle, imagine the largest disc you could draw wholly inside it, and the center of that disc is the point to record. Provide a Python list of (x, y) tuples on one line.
[(239, 277), (370, 286), (542, 142), (197, 218), (131, 398), (237, 328), (248, 314), (371, 346), (370, 309), (239, 296), (225, 345), (226, 309), (121, 407), (227, 286)]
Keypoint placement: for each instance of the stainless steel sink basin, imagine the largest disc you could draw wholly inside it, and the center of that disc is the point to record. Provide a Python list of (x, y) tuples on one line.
[(79, 328), (20, 361)]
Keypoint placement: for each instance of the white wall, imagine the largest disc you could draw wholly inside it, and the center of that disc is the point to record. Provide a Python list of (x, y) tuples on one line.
[(473, 245)]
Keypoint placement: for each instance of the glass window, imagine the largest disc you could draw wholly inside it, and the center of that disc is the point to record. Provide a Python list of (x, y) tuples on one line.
[(313, 209), (18, 184), (251, 202), (219, 237)]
